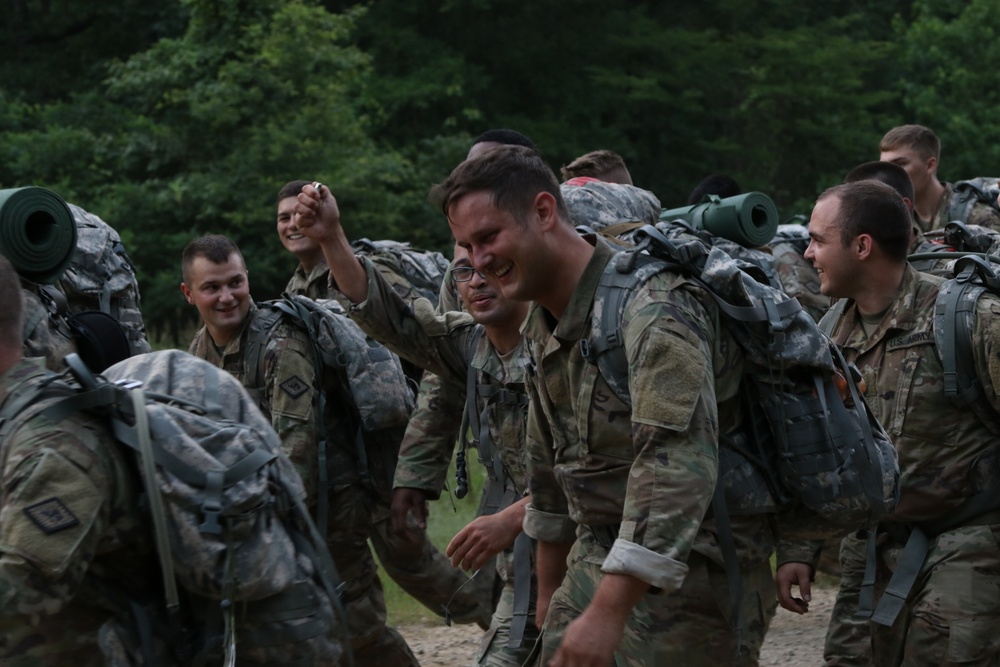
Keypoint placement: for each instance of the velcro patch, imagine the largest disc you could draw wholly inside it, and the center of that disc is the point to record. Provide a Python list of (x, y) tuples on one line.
[(294, 386), (51, 516)]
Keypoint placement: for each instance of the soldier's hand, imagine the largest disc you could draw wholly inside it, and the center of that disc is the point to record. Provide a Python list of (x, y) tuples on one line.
[(793, 574), (404, 501), (316, 212), (483, 538), (589, 641)]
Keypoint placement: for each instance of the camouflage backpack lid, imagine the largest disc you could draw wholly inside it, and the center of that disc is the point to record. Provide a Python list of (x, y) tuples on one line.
[(606, 207), (424, 269), (100, 277)]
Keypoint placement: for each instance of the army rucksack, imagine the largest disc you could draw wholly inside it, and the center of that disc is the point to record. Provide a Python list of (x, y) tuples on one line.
[(100, 277), (966, 194), (352, 369), (246, 576), (810, 438), (424, 269)]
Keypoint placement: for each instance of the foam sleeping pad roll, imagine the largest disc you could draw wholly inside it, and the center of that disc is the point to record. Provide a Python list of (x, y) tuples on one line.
[(750, 219), (37, 233)]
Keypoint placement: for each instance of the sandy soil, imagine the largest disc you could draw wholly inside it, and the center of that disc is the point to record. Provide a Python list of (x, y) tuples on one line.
[(793, 641)]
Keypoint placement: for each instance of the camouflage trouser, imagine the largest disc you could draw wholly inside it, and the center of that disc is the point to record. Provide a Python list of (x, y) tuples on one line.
[(952, 614), (349, 527), (848, 638), (493, 651), (686, 627), (429, 577)]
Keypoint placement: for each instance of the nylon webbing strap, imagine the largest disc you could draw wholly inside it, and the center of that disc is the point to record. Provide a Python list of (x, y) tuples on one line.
[(901, 582), (522, 590), (866, 597), (730, 560), (155, 500)]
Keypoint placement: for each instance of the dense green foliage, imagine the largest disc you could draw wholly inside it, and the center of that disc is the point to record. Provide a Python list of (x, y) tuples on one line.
[(186, 117)]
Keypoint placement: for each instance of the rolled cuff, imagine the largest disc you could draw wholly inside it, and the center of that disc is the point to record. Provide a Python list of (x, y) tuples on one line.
[(655, 569), (548, 527)]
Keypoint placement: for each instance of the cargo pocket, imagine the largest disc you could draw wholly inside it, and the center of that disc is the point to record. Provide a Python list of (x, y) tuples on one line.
[(974, 639)]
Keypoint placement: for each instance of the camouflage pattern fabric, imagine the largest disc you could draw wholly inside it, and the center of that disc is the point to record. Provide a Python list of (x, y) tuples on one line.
[(599, 205), (286, 399), (69, 510), (101, 277), (441, 342), (46, 333), (594, 463), (420, 569), (317, 284), (692, 616), (798, 278), (945, 455), (981, 214)]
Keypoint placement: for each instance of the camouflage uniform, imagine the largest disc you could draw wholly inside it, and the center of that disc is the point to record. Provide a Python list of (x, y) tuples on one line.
[(450, 345), (981, 214), (952, 614), (69, 517), (286, 399), (633, 485), (418, 567), (796, 274)]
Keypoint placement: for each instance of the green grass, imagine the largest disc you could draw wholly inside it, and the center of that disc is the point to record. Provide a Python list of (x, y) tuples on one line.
[(446, 517)]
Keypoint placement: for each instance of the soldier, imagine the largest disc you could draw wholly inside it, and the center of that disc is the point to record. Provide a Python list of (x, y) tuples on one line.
[(644, 575), (602, 165), (480, 365), (217, 284), (942, 606), (412, 561), (917, 149), (69, 517)]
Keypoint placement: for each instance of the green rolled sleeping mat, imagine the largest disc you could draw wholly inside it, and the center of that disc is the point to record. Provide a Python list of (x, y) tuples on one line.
[(37, 233), (750, 219)]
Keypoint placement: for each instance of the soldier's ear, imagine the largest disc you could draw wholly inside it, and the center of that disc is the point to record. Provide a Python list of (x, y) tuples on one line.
[(187, 293)]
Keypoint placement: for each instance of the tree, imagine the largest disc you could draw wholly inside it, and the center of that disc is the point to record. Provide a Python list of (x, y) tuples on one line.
[(950, 56)]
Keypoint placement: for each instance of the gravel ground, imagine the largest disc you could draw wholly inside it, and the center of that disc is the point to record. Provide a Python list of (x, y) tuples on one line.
[(793, 641)]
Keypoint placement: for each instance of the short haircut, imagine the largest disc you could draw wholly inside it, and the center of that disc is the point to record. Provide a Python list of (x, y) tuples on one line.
[(596, 164), (514, 175), (213, 247), (291, 189), (873, 208), (12, 313), (714, 184), (886, 172), (921, 139), (506, 137)]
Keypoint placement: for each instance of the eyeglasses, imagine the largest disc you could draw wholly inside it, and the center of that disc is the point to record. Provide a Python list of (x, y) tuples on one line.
[(463, 274)]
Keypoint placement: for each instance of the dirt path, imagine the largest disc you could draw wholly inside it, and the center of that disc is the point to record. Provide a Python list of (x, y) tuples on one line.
[(793, 641)]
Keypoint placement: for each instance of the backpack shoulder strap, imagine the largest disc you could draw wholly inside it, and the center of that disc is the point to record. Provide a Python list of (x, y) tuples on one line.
[(954, 322), (828, 324)]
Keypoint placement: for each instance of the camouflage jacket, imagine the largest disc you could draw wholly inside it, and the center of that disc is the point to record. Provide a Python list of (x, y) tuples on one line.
[(319, 284), (447, 345), (982, 214), (649, 471), (938, 443), (287, 397), (69, 514)]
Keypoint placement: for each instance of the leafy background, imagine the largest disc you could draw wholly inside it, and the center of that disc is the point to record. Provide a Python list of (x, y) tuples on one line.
[(182, 117)]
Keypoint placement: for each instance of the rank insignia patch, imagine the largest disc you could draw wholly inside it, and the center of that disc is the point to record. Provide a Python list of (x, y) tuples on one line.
[(294, 386), (51, 516)]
